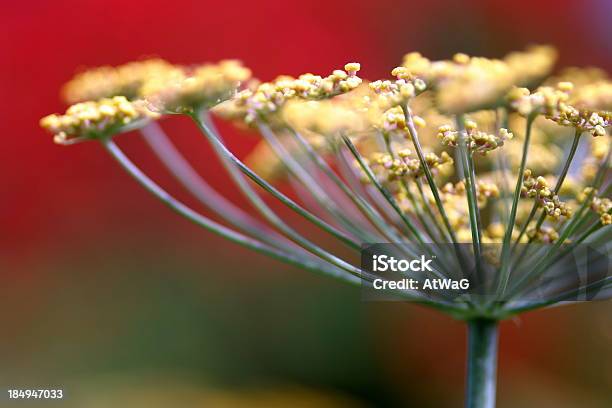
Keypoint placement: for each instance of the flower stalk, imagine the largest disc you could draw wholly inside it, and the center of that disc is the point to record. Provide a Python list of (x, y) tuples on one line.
[(430, 180), (560, 180), (211, 225), (185, 174), (467, 164), (481, 363), (505, 254)]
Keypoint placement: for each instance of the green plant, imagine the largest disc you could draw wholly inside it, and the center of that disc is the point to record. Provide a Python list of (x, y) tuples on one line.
[(446, 153)]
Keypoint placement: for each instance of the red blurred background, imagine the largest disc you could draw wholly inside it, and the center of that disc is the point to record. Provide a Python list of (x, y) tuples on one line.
[(73, 209)]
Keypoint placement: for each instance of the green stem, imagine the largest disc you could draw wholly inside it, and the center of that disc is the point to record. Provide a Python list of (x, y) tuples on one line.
[(226, 153), (182, 170), (411, 197), (430, 180), (481, 363), (501, 167), (505, 272), (369, 212), (430, 213), (386, 194), (580, 218), (312, 264), (546, 262), (570, 227), (414, 135), (302, 176), (601, 284), (560, 180), (307, 262), (234, 168), (470, 176), (389, 197)]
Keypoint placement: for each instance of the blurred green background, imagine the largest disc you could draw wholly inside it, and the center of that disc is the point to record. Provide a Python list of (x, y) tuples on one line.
[(153, 326)]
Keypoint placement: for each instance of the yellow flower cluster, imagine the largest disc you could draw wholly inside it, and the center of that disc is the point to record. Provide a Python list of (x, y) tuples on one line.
[(592, 88), (477, 141), (554, 104), (601, 205), (599, 148), (405, 165), (594, 96), (538, 188), (93, 120), (579, 76), (594, 123), (398, 132), (399, 91), (201, 87), (385, 107), (484, 191), (529, 67), (267, 98), (124, 80), (394, 120), (324, 117), (465, 84), (453, 196), (166, 87), (544, 234), (546, 100)]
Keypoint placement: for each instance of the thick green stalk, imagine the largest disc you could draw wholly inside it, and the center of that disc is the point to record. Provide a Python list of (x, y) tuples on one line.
[(481, 363)]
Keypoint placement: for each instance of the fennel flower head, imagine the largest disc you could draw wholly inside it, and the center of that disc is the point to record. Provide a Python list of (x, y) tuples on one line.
[(493, 167)]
